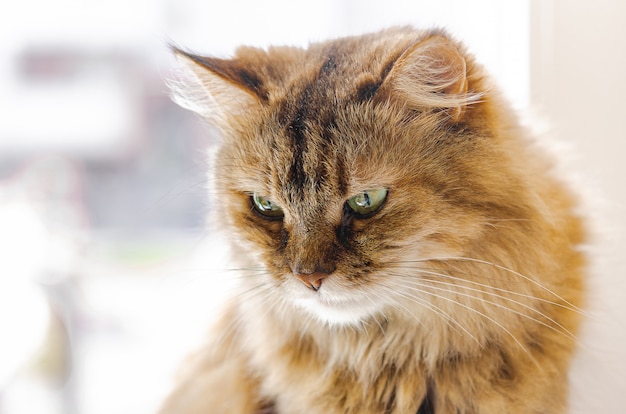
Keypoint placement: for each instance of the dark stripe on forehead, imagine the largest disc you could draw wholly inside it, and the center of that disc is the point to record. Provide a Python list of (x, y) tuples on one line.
[(342, 179), (297, 131), (311, 107)]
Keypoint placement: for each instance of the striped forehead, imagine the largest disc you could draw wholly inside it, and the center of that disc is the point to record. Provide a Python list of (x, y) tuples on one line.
[(310, 130)]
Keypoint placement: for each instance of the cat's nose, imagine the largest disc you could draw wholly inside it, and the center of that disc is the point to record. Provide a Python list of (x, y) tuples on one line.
[(312, 280)]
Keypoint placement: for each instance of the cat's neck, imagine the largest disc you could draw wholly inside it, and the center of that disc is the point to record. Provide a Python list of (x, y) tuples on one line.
[(393, 339)]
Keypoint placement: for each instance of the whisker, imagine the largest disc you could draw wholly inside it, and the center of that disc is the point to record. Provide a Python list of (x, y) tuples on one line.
[(433, 308), (456, 302), (250, 275), (563, 330), (250, 268), (490, 287), (524, 305), (382, 330), (260, 286), (504, 268)]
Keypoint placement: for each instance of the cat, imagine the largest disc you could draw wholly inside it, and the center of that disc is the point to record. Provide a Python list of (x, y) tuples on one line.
[(403, 245)]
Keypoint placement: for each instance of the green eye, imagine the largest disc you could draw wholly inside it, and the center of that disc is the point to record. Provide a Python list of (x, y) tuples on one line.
[(265, 207), (368, 202)]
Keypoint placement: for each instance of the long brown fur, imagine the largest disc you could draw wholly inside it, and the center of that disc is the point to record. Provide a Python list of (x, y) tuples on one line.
[(461, 295)]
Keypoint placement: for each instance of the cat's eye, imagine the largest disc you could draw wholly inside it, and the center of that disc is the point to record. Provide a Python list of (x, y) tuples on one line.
[(266, 207), (368, 202)]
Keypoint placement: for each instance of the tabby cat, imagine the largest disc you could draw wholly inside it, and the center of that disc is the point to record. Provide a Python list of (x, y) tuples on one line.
[(402, 244)]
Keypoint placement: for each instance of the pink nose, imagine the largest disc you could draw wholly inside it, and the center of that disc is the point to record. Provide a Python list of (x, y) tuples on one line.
[(312, 280)]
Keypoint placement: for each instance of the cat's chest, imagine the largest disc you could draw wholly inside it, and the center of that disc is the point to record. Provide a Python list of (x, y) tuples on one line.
[(340, 373), (316, 390)]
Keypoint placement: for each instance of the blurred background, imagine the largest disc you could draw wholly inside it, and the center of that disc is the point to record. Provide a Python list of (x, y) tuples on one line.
[(107, 263)]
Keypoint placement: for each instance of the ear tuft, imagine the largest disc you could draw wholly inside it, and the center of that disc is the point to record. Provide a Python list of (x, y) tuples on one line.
[(433, 73), (217, 89)]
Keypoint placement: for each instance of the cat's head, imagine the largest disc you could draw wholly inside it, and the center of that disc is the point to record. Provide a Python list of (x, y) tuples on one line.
[(344, 164)]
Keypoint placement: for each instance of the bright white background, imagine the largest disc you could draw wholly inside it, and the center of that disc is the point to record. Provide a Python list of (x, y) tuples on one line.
[(102, 179)]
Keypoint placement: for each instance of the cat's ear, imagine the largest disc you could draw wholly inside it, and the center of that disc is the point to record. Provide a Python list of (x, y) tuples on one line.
[(433, 73), (216, 88)]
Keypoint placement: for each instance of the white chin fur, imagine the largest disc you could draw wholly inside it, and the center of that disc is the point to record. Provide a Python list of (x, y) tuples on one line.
[(338, 313)]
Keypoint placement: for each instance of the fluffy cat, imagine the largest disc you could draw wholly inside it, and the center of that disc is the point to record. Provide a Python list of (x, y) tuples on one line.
[(403, 247)]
